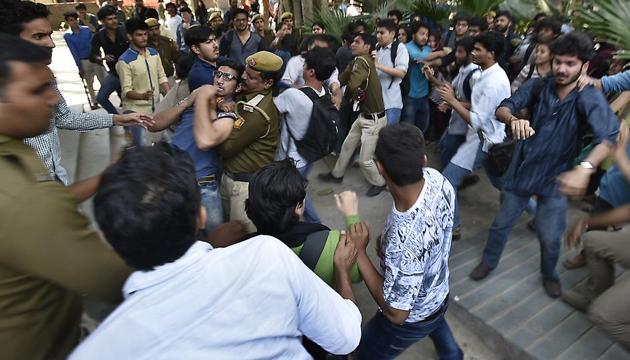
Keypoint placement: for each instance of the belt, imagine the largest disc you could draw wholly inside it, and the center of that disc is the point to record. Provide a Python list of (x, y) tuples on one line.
[(374, 116), (242, 177), (206, 179)]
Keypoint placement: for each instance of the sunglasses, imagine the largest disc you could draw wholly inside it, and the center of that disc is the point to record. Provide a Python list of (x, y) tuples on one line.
[(227, 76)]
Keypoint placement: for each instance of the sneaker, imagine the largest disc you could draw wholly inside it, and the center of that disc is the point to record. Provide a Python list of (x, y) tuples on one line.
[(375, 190), (469, 180), (328, 177), (576, 299), (552, 288), (575, 262)]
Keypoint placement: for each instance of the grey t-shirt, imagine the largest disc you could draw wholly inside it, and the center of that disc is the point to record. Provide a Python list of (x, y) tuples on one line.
[(239, 51)]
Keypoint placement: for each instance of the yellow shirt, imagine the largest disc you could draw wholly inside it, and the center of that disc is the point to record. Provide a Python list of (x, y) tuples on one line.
[(140, 72)]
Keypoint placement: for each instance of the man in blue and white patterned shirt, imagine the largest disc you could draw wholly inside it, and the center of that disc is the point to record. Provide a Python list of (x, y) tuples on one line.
[(413, 292), (31, 20)]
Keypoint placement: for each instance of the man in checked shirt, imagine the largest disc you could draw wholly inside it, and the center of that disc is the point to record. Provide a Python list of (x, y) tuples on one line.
[(30, 22)]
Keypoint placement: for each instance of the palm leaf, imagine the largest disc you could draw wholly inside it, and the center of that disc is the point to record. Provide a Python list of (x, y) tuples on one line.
[(438, 11), (478, 7), (335, 21), (608, 20)]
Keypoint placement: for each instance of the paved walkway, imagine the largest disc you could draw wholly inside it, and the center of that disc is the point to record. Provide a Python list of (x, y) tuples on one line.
[(506, 316)]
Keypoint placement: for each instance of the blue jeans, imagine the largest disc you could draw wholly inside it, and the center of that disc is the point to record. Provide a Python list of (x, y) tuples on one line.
[(108, 86), (417, 112), (448, 147), (550, 225), (211, 200), (310, 215), (382, 340), (455, 175), (393, 116), (137, 135)]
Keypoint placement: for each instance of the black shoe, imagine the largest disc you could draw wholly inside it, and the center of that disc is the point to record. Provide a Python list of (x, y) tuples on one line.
[(469, 180), (328, 177), (456, 234), (552, 288), (95, 107), (480, 272), (375, 190)]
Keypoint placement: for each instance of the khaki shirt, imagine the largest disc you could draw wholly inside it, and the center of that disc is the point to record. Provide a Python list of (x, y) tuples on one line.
[(49, 256), (168, 54), (362, 68), (254, 140)]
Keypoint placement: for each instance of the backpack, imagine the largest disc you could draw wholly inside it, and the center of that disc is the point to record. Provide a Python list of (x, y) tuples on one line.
[(392, 55), (467, 87), (322, 132)]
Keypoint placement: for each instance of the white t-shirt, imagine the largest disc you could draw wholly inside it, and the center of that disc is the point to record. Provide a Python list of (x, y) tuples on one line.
[(296, 108), (172, 23), (252, 300), (416, 245), (294, 73)]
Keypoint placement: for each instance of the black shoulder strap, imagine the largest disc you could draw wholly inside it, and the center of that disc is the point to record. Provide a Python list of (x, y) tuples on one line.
[(528, 53), (532, 67), (393, 53), (466, 85), (310, 92), (313, 247)]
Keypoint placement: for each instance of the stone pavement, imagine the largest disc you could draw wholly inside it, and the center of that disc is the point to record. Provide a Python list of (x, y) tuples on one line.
[(507, 316)]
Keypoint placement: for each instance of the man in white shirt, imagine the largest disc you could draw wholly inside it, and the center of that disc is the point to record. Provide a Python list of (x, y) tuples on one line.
[(484, 130), (390, 74), (293, 72), (296, 107), (187, 300), (174, 20), (412, 293)]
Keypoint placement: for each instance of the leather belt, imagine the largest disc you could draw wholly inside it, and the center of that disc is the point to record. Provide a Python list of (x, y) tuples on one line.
[(206, 179), (242, 177), (374, 116)]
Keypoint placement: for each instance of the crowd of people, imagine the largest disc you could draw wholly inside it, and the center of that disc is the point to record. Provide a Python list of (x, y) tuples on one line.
[(208, 241)]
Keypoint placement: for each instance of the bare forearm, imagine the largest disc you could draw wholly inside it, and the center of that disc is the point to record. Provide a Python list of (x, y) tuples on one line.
[(165, 87), (618, 216), (343, 285), (391, 71), (461, 110), (620, 101), (135, 95), (599, 153), (84, 189), (206, 135), (166, 118), (504, 114)]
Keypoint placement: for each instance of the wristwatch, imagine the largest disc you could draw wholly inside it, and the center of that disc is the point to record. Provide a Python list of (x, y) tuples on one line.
[(587, 165)]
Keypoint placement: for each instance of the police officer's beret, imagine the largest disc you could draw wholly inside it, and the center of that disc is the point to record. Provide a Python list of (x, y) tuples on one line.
[(152, 22), (286, 15), (256, 17), (264, 61)]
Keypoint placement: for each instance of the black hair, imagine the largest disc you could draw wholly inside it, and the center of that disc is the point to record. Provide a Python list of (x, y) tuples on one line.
[(236, 66), (80, 6), (397, 13), (461, 16), (274, 192), (319, 24), (367, 39), (388, 24), (185, 9), (321, 60), (70, 14), (105, 11), (358, 23), (347, 36), (575, 43), (505, 13), (14, 13), (183, 64), (549, 23), (151, 13), (491, 41), (240, 11), (134, 24), (279, 25), (171, 5), (540, 15), (407, 31), (417, 26), (400, 150), (467, 43), (16, 49), (147, 205), (479, 22), (197, 35)]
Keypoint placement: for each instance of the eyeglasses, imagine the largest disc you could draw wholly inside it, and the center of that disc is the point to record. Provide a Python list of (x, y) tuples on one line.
[(227, 76)]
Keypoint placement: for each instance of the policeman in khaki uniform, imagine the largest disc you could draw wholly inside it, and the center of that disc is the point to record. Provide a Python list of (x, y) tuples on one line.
[(254, 139), (363, 88), (49, 254), (166, 48)]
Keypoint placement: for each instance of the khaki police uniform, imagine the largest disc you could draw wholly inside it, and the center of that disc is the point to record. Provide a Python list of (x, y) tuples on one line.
[(168, 54), (252, 144), (49, 257), (361, 74)]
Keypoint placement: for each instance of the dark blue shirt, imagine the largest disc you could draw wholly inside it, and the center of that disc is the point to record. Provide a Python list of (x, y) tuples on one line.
[(559, 126), (80, 44), (206, 162), (201, 73)]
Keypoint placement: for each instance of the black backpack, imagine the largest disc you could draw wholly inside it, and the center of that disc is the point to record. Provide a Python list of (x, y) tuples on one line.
[(466, 85), (322, 132)]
